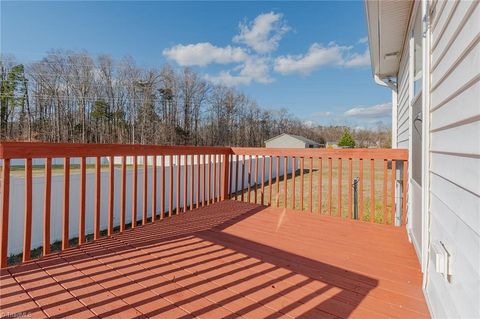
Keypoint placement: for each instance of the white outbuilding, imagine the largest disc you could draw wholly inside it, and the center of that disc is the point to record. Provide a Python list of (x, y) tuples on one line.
[(290, 141)]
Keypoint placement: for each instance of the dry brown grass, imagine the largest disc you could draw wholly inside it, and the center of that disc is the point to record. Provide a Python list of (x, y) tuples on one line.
[(345, 182)]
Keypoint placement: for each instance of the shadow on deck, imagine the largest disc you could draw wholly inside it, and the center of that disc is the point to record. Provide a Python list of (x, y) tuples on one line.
[(227, 260)]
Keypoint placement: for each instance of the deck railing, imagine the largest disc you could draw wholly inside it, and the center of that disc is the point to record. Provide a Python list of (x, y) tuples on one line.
[(313, 180), (185, 177)]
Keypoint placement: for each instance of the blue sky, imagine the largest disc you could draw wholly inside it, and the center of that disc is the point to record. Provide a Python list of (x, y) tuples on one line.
[(308, 57)]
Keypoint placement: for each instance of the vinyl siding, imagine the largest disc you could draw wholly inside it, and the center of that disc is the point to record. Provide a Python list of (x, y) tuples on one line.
[(455, 156), (403, 122)]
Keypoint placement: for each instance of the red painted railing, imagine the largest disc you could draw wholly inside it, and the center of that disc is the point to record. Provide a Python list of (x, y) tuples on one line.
[(310, 180), (210, 174)]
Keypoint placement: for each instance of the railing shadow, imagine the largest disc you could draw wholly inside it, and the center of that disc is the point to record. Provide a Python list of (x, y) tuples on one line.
[(187, 265)]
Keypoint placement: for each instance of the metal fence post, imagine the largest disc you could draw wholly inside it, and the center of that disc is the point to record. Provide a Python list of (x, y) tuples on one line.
[(355, 197)]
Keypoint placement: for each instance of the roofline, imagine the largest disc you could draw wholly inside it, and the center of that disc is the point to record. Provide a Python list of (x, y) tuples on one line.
[(375, 46), (293, 136)]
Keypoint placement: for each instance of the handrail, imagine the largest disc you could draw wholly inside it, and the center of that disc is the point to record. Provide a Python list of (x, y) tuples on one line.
[(375, 153), (10, 150), (189, 177), (323, 168)]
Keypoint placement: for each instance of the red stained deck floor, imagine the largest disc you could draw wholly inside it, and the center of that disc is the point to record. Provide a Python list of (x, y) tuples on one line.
[(227, 260)]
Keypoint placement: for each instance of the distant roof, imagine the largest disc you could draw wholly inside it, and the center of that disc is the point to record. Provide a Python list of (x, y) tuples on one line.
[(298, 137)]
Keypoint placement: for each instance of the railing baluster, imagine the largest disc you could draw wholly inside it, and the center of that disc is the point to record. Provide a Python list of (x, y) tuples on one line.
[(221, 168), (111, 196), (96, 217), (256, 179), (27, 237), (320, 190), (385, 183), (405, 192), (192, 180), (330, 186), (145, 189), (270, 186), (263, 181), (170, 189), (392, 192), (230, 176), (372, 190), (243, 178), (185, 181), (285, 179), (277, 167), (162, 183), (134, 192), (225, 182), (293, 182), (249, 177), (47, 206), (123, 195), (177, 197), (350, 186), (236, 175), (208, 179), (339, 181), (302, 168), (214, 178), (5, 211), (360, 189), (310, 198), (81, 212), (198, 181), (204, 180), (154, 188), (66, 203)]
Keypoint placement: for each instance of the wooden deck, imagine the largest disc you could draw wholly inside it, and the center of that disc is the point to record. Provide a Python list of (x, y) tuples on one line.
[(227, 260)]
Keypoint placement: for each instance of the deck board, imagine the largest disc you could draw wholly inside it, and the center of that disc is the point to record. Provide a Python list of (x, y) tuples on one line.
[(227, 260)]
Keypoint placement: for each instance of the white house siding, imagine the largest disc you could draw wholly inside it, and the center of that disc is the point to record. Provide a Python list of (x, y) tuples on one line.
[(403, 121), (455, 156)]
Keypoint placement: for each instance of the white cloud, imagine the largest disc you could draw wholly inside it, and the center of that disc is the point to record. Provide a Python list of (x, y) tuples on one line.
[(377, 111), (255, 69), (358, 60), (316, 57), (264, 33), (202, 54), (363, 40)]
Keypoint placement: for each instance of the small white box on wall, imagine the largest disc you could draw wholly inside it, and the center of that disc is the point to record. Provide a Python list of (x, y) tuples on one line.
[(441, 259)]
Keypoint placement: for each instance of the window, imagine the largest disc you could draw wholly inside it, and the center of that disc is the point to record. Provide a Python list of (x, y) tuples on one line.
[(417, 55)]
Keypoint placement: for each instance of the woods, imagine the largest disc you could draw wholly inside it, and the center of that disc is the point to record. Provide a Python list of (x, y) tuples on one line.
[(76, 97)]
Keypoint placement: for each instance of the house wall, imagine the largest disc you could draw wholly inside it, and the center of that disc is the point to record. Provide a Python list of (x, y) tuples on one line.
[(454, 157), (403, 99), (403, 126), (285, 141)]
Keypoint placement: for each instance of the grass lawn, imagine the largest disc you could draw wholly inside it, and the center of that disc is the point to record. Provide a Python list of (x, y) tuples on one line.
[(345, 182)]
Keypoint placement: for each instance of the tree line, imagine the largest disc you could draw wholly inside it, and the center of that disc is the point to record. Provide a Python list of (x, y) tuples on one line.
[(76, 97)]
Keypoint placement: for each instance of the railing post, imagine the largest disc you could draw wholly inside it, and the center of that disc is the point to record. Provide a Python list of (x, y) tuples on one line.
[(5, 212), (226, 172), (398, 192)]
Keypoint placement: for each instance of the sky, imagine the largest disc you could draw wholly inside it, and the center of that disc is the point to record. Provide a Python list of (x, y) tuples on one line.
[(310, 57)]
